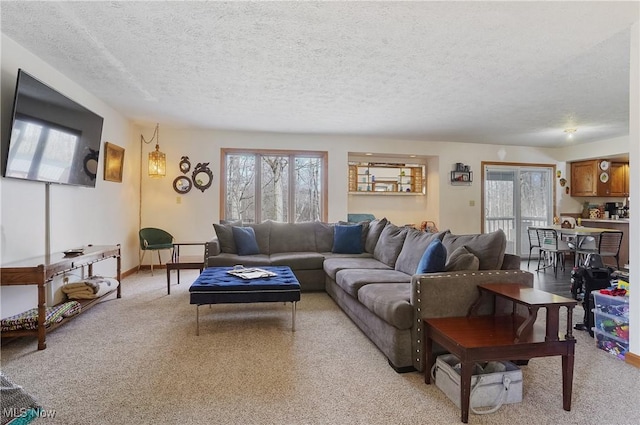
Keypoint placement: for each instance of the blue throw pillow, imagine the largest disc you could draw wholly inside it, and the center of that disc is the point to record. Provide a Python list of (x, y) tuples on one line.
[(434, 258), (245, 239), (347, 239)]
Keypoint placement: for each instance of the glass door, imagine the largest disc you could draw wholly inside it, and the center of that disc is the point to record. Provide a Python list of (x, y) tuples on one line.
[(516, 197)]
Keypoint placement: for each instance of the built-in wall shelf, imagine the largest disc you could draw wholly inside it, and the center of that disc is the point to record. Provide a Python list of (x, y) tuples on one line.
[(384, 178), (385, 193)]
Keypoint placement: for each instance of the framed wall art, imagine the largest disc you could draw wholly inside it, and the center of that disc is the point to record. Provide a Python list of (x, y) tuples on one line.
[(113, 162)]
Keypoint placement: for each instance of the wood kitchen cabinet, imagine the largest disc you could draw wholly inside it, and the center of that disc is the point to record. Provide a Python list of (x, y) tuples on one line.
[(584, 178), (601, 178), (619, 179)]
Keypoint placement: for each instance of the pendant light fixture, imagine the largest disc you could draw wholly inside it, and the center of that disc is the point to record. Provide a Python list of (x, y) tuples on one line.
[(157, 159)]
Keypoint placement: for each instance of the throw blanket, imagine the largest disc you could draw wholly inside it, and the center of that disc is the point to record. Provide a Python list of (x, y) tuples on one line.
[(29, 319), (78, 291), (90, 285), (18, 407), (90, 288), (106, 284)]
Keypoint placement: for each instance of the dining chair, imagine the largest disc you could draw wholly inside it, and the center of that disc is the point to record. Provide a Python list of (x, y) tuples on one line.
[(607, 244), (553, 249), (153, 239), (534, 243)]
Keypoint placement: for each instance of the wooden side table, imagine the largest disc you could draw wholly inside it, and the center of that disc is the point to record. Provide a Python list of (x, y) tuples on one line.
[(176, 249), (512, 337), (178, 263)]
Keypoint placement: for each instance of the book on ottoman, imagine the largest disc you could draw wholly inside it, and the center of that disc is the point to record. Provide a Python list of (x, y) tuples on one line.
[(252, 273)]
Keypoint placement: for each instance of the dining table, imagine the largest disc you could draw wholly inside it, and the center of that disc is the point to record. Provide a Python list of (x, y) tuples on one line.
[(580, 230), (579, 233)]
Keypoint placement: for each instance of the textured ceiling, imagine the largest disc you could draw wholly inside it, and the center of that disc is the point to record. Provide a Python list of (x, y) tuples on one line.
[(489, 72)]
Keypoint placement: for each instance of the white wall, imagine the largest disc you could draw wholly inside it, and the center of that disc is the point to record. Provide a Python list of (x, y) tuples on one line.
[(447, 205), (106, 214), (634, 183)]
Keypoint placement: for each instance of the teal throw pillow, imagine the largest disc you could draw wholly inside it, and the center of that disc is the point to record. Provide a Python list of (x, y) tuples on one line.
[(434, 258), (245, 239), (347, 239)]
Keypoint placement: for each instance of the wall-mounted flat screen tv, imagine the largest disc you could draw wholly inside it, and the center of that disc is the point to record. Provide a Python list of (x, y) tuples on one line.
[(53, 139)]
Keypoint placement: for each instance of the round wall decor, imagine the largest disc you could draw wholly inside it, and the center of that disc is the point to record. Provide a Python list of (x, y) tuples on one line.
[(182, 184), (90, 164), (604, 165), (202, 176), (185, 164), (604, 177)]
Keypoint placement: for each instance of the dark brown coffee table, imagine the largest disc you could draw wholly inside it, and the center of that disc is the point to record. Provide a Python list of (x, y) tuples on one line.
[(511, 337)]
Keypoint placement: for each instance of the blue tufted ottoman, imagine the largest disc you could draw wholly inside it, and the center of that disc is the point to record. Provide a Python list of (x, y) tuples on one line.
[(216, 286)]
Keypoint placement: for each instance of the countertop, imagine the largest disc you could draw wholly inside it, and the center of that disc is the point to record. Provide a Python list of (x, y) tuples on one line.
[(605, 220)]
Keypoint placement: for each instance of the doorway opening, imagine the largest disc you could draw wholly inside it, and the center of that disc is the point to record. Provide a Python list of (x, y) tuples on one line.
[(514, 197)]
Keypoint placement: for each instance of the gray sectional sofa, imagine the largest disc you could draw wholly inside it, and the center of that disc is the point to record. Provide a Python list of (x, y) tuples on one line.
[(379, 288)]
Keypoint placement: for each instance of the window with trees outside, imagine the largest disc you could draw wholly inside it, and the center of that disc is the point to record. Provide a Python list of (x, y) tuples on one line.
[(516, 196), (285, 186)]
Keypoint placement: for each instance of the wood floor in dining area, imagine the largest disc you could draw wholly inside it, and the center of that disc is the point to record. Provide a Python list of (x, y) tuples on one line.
[(545, 280)]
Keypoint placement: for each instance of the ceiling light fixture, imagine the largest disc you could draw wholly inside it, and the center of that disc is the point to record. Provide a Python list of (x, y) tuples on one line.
[(570, 131), (157, 159)]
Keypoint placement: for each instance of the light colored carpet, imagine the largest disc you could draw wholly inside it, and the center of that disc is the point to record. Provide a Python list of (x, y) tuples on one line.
[(137, 360)]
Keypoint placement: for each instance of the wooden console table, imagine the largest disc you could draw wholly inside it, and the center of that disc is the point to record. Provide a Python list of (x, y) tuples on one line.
[(512, 337), (41, 270)]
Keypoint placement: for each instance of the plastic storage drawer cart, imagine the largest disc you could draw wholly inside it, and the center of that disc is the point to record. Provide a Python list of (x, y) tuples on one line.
[(611, 329)]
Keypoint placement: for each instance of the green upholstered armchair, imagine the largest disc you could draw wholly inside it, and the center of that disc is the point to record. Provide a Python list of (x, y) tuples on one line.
[(152, 239)]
